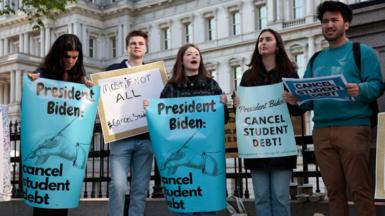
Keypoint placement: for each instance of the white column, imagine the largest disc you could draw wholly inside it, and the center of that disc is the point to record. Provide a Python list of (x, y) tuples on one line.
[(70, 30), (84, 36), (310, 49), (248, 17), (42, 43), (47, 39), (119, 42), (6, 49), (6, 93), (18, 81), (77, 29), (309, 11), (270, 11), (2, 93), (21, 43), (279, 11), (1, 47), (198, 29), (125, 33), (12, 85), (26, 43)]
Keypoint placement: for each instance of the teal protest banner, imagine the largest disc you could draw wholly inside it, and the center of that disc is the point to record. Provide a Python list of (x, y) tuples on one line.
[(263, 122), (57, 120), (188, 141)]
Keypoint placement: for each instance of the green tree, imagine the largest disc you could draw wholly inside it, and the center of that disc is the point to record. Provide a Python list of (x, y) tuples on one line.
[(36, 10)]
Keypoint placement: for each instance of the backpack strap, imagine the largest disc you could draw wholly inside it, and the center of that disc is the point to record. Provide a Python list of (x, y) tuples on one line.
[(357, 56), (311, 61)]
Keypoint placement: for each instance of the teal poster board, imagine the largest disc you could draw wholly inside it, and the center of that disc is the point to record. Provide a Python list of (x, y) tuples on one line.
[(187, 135), (264, 127), (57, 120)]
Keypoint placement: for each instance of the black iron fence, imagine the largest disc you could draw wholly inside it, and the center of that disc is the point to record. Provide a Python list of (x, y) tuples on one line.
[(97, 174)]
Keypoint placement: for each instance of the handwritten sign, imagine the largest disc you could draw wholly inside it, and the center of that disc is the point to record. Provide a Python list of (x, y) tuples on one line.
[(56, 131), (122, 93), (5, 152), (318, 88), (188, 141), (264, 126)]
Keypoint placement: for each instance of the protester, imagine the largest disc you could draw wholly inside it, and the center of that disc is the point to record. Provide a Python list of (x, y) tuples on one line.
[(341, 132), (132, 154), (64, 62), (190, 78), (270, 176)]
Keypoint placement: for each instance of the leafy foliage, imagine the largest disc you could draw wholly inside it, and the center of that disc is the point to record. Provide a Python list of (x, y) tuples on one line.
[(36, 10)]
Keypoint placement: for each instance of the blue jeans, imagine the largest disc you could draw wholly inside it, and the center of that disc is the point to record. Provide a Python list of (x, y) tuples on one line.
[(271, 191), (126, 154), (196, 214)]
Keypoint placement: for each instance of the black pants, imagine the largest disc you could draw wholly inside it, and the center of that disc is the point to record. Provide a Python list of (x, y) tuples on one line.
[(49, 212)]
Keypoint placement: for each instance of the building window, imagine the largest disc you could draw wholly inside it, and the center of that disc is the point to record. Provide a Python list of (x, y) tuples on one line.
[(211, 33), (301, 64), (214, 74), (91, 47), (237, 74), (187, 32), (261, 13), (15, 46), (298, 8), (35, 45), (235, 23), (166, 38), (113, 46)]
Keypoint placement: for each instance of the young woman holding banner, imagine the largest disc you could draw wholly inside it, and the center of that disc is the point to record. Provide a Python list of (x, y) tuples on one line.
[(271, 176), (190, 78), (64, 62)]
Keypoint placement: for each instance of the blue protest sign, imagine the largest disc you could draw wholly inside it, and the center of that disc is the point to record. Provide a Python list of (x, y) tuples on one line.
[(318, 88), (264, 128), (57, 120), (187, 135)]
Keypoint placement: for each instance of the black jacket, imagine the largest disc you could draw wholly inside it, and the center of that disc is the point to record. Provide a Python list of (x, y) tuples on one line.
[(122, 65), (288, 162), (193, 87)]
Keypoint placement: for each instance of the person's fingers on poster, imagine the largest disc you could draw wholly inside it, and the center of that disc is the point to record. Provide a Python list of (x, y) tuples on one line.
[(34, 76), (146, 103), (289, 98), (224, 99), (236, 100), (353, 89), (57, 146)]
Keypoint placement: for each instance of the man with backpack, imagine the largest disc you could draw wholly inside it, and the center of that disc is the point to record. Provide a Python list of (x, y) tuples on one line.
[(341, 134)]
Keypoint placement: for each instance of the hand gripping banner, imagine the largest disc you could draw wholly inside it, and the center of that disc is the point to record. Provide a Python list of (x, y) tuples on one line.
[(57, 123), (187, 135), (263, 122)]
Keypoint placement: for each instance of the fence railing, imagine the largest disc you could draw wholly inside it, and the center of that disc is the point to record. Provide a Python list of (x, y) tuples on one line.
[(97, 173)]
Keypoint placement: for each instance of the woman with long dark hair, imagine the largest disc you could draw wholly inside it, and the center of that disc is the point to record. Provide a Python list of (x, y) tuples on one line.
[(271, 176), (64, 62)]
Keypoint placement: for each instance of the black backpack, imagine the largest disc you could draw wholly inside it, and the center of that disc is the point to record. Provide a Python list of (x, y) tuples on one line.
[(357, 58)]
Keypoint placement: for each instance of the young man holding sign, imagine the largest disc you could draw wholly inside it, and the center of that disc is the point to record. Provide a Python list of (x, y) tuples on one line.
[(341, 132), (133, 153)]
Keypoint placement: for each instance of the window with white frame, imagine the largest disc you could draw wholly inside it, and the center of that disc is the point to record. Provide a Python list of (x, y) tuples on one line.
[(237, 74), (298, 9), (211, 28), (299, 59), (261, 17), (113, 46), (166, 38), (91, 46), (235, 22), (187, 32), (14, 46), (35, 45)]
